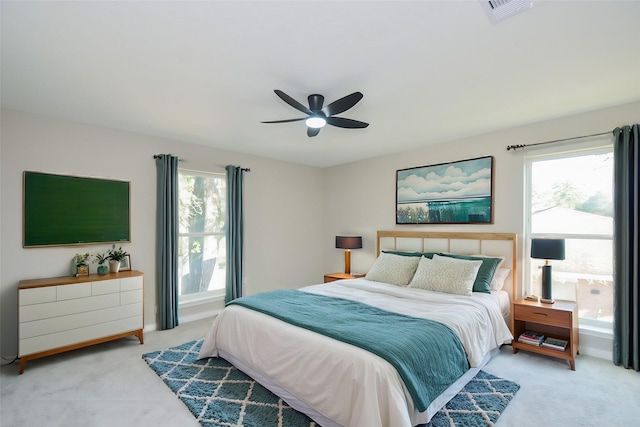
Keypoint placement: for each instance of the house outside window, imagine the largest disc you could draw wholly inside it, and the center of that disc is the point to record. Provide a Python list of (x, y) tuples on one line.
[(570, 196), (201, 236)]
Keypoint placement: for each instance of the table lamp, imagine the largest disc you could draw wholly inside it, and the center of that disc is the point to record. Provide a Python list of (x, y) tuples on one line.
[(547, 249), (347, 243)]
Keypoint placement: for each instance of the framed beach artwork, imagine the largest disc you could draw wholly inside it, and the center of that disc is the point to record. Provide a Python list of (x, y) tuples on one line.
[(448, 193)]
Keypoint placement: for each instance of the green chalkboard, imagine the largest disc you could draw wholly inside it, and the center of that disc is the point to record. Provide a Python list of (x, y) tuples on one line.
[(70, 210)]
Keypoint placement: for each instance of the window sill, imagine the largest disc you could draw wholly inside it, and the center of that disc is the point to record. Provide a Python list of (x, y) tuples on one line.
[(596, 331), (205, 299)]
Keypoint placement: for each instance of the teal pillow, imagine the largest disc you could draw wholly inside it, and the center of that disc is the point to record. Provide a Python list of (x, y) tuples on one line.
[(418, 254), (485, 273)]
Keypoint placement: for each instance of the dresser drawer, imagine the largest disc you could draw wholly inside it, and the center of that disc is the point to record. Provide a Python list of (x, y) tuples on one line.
[(80, 290), (37, 295), (543, 316), (105, 287)]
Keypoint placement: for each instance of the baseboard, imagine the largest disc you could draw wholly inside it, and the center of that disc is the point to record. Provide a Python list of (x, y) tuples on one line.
[(596, 344)]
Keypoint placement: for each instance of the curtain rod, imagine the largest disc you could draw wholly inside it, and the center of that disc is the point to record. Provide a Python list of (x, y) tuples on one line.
[(515, 147), (157, 156)]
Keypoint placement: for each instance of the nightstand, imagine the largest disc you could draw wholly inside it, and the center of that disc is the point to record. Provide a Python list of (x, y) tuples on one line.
[(339, 276), (558, 320)]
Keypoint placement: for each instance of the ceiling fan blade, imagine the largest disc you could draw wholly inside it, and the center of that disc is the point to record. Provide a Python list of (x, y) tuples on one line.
[(342, 104), (312, 132), (289, 100), (285, 121), (315, 102), (341, 122)]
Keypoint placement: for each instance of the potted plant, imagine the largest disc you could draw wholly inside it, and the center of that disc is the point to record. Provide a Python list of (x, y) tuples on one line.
[(80, 264), (115, 256), (101, 259)]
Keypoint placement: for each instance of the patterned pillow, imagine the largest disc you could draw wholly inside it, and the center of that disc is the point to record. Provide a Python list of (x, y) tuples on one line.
[(485, 274), (443, 274), (394, 269)]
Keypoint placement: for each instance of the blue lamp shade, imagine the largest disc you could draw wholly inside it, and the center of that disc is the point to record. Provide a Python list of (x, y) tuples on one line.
[(349, 242), (547, 249)]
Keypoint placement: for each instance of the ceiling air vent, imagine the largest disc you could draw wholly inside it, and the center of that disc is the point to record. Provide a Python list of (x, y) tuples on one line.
[(499, 10)]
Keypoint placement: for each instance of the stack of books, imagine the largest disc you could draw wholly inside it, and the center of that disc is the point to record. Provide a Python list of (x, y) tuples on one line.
[(532, 338), (555, 343)]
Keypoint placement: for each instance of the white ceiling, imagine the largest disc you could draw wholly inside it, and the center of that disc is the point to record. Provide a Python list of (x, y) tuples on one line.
[(204, 72)]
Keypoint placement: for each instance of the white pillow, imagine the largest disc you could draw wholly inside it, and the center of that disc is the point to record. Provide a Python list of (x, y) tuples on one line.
[(501, 274), (394, 269), (444, 274)]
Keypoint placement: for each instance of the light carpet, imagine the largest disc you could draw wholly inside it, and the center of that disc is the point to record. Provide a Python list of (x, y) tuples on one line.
[(218, 394)]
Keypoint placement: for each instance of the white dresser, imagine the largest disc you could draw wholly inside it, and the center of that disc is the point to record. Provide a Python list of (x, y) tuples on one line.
[(66, 313)]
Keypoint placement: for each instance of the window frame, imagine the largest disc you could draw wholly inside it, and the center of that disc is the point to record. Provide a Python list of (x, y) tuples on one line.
[(600, 146), (198, 298)]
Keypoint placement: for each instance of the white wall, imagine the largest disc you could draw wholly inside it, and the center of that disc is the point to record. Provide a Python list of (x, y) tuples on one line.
[(293, 212), (360, 196), (283, 206)]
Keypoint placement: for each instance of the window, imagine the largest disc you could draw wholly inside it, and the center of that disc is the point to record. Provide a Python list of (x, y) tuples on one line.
[(570, 196), (201, 235)]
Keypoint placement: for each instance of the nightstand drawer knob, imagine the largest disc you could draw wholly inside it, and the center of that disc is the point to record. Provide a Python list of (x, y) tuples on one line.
[(540, 314)]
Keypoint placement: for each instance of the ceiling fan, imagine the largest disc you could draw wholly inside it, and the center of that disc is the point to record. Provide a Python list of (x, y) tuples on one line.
[(317, 116)]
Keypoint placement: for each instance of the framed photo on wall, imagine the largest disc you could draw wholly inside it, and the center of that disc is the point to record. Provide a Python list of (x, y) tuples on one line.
[(447, 193)]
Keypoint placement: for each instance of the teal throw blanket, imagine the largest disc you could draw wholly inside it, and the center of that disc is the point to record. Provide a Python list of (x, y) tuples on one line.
[(427, 354)]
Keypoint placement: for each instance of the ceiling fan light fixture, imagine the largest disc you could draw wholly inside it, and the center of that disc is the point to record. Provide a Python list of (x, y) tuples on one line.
[(315, 122), (319, 116)]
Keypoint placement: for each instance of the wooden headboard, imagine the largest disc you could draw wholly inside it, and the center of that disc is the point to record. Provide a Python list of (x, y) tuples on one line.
[(496, 244)]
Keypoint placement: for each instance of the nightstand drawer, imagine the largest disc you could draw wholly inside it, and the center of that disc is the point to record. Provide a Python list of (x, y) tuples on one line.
[(544, 316)]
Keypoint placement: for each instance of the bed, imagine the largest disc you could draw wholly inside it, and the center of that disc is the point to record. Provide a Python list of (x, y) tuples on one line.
[(339, 381)]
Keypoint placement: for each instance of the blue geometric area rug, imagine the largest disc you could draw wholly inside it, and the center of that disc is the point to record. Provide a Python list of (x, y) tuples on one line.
[(218, 394)]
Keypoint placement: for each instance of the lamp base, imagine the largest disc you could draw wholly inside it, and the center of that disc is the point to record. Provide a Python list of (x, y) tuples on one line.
[(347, 261), (546, 284)]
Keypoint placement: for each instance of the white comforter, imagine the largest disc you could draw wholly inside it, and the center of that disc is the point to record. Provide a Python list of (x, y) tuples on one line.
[(342, 384)]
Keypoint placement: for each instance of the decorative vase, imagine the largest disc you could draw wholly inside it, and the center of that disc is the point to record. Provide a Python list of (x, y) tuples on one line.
[(102, 269), (114, 266)]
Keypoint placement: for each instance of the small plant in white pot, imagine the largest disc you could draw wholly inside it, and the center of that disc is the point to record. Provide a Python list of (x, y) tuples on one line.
[(115, 256)]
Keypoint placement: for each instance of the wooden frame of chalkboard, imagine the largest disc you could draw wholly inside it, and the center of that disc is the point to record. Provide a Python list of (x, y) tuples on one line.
[(63, 210)]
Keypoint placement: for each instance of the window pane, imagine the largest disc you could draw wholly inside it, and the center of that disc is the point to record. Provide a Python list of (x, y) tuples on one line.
[(573, 195), (202, 203), (201, 264), (586, 276), (201, 245)]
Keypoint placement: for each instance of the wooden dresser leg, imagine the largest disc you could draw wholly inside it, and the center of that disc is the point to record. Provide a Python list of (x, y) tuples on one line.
[(23, 363), (140, 336)]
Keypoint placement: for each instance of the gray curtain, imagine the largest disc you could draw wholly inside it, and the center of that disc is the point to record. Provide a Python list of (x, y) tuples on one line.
[(626, 323), (167, 240), (235, 232)]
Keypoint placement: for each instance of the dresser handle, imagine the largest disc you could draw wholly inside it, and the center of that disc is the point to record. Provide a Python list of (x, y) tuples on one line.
[(540, 314)]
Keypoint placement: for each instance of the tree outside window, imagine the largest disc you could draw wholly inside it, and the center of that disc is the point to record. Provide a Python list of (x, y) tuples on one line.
[(201, 246)]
